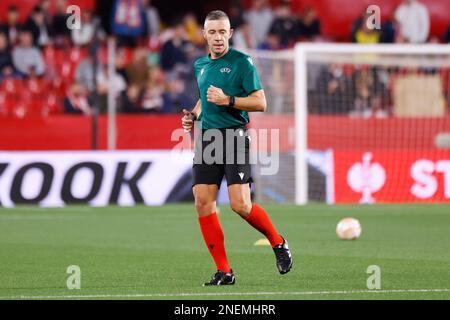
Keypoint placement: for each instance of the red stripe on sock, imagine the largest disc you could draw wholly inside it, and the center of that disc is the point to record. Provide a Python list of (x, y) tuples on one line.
[(214, 240), (259, 220)]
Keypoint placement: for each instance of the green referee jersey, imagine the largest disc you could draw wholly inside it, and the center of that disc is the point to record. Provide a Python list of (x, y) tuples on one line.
[(237, 76)]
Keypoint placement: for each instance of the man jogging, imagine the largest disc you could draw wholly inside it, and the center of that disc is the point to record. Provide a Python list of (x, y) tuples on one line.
[(229, 88)]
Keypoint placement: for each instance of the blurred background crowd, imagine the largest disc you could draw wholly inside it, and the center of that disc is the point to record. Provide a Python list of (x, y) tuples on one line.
[(46, 68)]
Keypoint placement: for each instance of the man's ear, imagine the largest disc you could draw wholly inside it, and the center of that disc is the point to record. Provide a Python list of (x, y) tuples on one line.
[(231, 32), (204, 34)]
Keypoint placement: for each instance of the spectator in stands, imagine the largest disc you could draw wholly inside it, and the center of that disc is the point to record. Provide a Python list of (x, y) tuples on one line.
[(84, 35), (369, 91), (414, 22), (285, 25), (272, 42), (175, 50), (153, 22), (237, 19), (364, 34), (26, 57), (37, 26), (45, 6), (117, 85), (236, 15), (137, 71), (131, 100), (84, 73), (194, 32), (259, 17), (12, 26), (356, 25), (128, 22), (154, 93), (388, 31), (242, 37), (335, 91), (309, 25), (60, 32), (121, 61), (175, 97), (6, 62), (447, 36), (77, 101)]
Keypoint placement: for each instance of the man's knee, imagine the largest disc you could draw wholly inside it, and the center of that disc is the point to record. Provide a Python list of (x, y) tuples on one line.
[(204, 206), (241, 206)]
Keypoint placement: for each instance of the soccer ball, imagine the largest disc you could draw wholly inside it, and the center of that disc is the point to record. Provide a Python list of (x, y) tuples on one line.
[(348, 229)]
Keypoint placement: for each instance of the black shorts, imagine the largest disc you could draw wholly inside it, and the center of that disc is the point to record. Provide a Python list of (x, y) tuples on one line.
[(229, 157)]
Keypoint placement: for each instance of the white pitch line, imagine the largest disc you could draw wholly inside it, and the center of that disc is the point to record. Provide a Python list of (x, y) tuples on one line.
[(212, 294)]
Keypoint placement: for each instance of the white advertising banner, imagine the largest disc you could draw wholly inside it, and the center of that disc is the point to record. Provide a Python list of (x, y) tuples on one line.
[(100, 178)]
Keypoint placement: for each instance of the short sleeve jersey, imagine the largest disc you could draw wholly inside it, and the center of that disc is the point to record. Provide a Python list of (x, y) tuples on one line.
[(237, 76)]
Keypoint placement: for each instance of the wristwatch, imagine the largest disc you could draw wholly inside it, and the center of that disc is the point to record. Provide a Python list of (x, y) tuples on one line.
[(232, 100)]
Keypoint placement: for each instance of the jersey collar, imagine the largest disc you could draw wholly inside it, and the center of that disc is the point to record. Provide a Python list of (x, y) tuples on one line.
[(226, 54)]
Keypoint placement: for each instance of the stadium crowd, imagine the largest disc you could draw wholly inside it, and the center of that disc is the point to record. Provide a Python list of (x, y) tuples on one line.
[(47, 68)]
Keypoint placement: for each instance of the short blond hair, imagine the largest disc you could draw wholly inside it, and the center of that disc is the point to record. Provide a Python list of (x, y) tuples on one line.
[(216, 15)]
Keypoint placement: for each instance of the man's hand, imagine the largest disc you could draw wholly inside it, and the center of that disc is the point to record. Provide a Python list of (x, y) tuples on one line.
[(216, 96), (187, 121)]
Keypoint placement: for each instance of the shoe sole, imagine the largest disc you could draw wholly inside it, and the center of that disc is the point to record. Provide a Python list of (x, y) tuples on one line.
[(218, 285)]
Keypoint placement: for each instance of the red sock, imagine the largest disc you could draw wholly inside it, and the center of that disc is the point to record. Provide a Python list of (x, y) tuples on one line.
[(259, 220), (214, 239)]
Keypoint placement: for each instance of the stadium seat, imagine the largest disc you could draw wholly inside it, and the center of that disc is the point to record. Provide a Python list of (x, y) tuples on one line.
[(25, 6), (36, 86), (11, 85), (59, 87), (52, 105), (77, 54), (337, 16), (3, 111)]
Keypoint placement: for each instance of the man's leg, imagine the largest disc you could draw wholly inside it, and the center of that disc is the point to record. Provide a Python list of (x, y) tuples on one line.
[(205, 204), (256, 216)]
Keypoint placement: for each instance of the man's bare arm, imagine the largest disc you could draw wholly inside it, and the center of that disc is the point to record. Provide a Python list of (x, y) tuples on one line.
[(256, 101)]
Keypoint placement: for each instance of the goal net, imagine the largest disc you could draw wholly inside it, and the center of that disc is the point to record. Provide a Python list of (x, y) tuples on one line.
[(356, 124)]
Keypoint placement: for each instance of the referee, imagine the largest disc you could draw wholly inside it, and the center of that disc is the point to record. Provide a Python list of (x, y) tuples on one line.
[(229, 88)]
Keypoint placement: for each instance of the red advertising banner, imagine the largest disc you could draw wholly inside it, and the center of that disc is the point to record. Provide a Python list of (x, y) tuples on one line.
[(391, 176)]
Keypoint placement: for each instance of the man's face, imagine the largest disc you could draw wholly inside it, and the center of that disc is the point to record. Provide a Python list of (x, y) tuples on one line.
[(3, 41), (26, 39), (217, 34), (13, 16), (258, 4), (61, 6), (45, 5), (39, 18)]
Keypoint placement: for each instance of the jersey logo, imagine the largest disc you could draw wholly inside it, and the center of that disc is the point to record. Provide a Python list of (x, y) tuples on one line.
[(225, 70), (250, 60), (241, 174)]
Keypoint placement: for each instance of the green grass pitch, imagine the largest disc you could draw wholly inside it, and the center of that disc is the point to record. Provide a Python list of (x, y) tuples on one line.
[(158, 253)]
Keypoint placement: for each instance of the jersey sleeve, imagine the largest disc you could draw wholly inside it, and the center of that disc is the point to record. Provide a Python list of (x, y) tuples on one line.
[(196, 68), (250, 81)]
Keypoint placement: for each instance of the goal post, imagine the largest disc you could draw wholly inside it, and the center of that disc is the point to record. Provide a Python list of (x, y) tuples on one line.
[(371, 123), (301, 125)]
